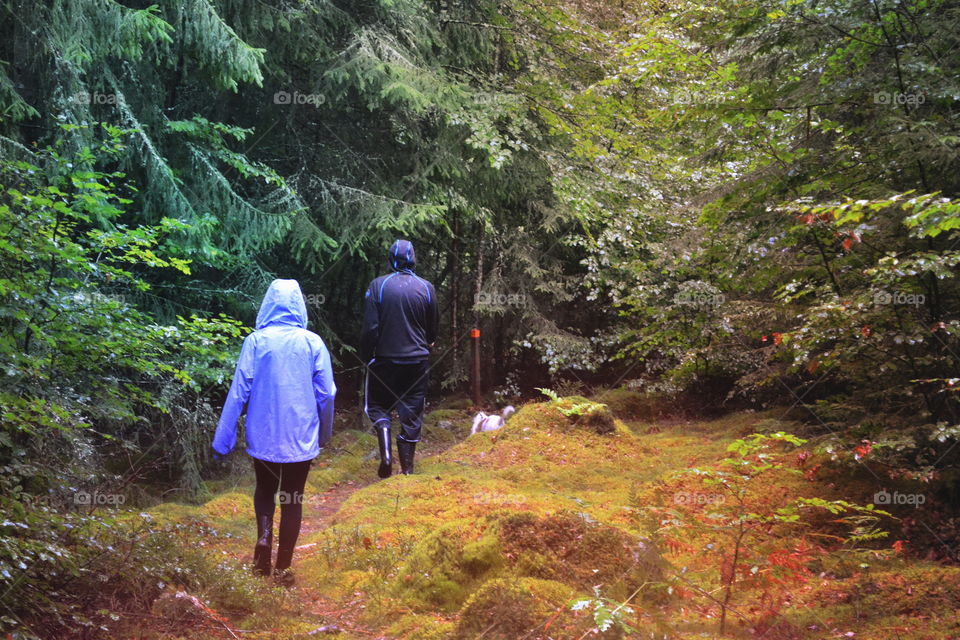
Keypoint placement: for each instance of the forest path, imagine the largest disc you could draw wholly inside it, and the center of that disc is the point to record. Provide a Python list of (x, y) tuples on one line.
[(340, 618)]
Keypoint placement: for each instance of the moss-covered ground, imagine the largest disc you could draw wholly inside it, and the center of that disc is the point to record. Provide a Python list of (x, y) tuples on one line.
[(497, 534)]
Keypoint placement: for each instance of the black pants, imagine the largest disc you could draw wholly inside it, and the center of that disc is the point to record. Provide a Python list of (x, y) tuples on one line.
[(401, 387), (289, 478)]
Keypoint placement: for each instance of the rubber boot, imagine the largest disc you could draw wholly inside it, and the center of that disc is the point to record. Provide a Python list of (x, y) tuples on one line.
[(263, 551), (383, 440), (282, 574), (405, 451)]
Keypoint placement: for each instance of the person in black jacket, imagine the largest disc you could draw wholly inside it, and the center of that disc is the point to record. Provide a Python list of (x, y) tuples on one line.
[(400, 321)]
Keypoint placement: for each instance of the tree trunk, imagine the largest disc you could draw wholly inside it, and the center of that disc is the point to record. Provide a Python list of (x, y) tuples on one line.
[(456, 275)]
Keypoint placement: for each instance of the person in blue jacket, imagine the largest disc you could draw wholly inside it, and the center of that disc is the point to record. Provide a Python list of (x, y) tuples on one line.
[(285, 379), (400, 322)]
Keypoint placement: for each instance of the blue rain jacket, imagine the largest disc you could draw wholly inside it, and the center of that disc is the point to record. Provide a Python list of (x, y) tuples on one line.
[(285, 378)]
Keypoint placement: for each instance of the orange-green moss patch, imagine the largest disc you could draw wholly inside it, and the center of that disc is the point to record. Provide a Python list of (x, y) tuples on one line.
[(445, 566), (576, 550), (229, 506), (511, 609), (175, 512), (342, 459), (415, 626)]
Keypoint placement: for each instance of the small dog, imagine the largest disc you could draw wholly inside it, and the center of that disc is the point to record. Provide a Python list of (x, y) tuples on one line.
[(485, 422)]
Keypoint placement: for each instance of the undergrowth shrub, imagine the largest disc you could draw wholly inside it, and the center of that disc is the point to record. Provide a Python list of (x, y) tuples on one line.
[(77, 575)]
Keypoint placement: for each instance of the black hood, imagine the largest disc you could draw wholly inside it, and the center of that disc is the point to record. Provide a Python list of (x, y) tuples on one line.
[(402, 257)]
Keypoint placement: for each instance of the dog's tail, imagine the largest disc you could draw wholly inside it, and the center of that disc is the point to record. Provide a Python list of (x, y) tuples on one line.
[(507, 412)]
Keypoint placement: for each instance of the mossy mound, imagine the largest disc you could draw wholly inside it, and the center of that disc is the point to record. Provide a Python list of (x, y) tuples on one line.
[(634, 405), (583, 413), (909, 591), (566, 414), (175, 513), (229, 506), (894, 600), (508, 609), (566, 547), (573, 548), (445, 566), (341, 459), (416, 626)]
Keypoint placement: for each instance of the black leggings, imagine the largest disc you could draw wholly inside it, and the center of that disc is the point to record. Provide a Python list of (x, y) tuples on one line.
[(289, 478)]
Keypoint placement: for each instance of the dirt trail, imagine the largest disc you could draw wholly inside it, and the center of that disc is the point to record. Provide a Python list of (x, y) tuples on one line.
[(318, 512), (321, 508)]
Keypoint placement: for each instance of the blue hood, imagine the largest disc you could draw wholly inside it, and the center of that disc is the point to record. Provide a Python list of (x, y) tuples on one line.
[(284, 378), (283, 304), (402, 257)]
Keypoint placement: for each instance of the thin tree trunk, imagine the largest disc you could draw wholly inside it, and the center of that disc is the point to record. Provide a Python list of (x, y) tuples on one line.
[(456, 275), (478, 287)]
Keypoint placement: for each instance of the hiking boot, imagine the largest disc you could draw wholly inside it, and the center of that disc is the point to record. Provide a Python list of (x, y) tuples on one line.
[(284, 578), (405, 451), (383, 442), (263, 551)]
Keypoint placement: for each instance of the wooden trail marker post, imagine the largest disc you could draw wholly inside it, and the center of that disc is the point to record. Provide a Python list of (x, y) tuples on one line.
[(475, 373)]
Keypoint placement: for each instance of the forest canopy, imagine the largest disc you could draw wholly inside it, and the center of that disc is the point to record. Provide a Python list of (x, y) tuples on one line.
[(755, 201), (741, 204)]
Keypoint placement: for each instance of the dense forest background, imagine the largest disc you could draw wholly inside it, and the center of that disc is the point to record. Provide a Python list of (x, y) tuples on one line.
[(743, 204)]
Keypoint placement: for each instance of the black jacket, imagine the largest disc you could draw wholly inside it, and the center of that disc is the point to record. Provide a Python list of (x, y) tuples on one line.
[(401, 313)]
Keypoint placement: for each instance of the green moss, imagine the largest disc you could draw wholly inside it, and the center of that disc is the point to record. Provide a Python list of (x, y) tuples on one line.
[(572, 548), (174, 512), (497, 534), (421, 627), (343, 459), (456, 403), (481, 556), (446, 425), (443, 567), (634, 405), (509, 609), (229, 506), (567, 414)]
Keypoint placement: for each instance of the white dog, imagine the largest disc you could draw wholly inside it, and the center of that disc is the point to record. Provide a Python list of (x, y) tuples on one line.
[(485, 422)]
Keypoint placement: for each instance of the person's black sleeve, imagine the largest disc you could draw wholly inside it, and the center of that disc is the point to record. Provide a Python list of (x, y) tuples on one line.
[(371, 326)]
